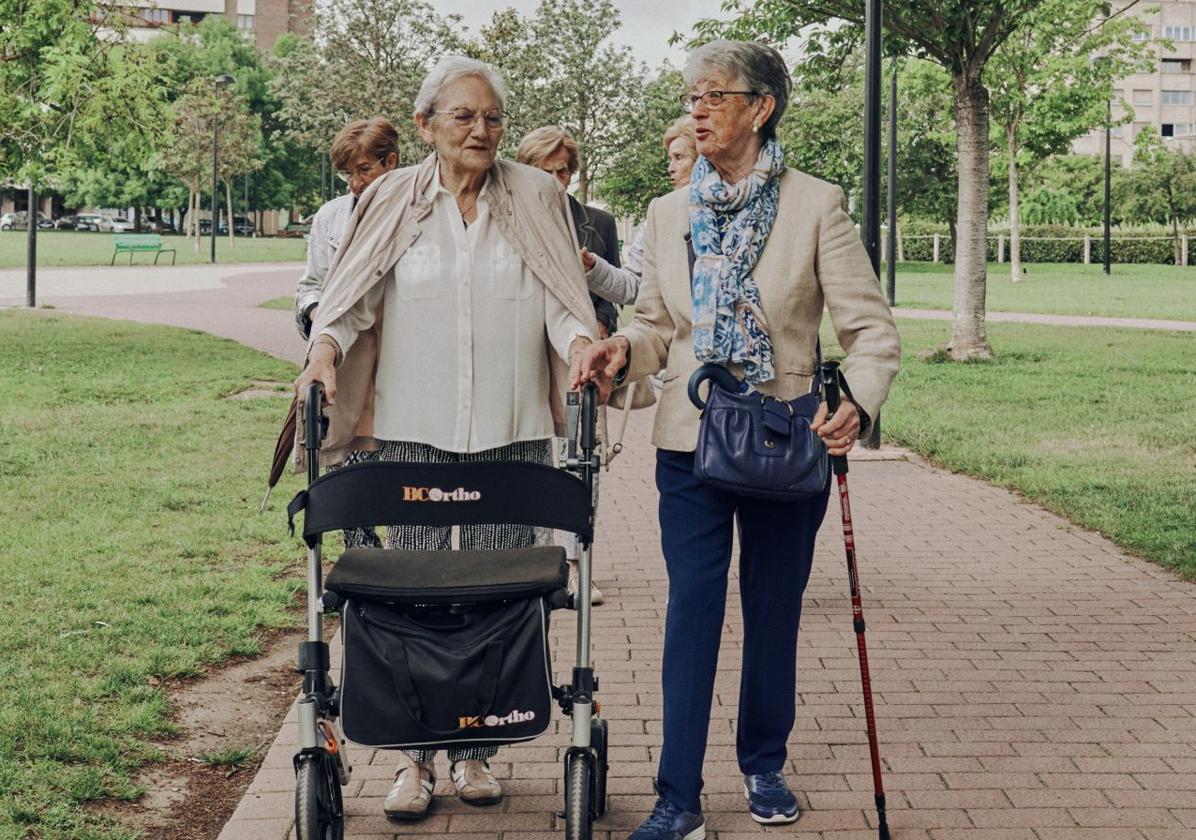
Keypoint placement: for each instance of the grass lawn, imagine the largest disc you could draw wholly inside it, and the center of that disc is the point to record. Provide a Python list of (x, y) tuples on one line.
[(132, 551), (285, 303), (1132, 291), (68, 247), (1098, 425)]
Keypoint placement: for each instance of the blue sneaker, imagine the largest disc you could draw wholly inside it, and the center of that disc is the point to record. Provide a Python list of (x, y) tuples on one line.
[(668, 822), (769, 798)]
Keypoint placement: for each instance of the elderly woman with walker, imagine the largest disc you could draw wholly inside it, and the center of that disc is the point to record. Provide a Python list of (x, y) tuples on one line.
[(471, 264)]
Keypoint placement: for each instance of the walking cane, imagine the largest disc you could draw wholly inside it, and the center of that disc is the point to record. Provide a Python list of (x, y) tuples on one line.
[(830, 386)]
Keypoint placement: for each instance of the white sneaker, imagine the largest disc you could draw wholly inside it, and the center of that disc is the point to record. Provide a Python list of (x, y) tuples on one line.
[(412, 792), (475, 782), (596, 596)]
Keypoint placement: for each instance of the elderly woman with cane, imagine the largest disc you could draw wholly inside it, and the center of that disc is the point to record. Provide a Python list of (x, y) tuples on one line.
[(454, 307), (737, 271)]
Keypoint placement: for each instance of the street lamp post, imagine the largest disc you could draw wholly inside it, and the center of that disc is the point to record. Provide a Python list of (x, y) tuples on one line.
[(1108, 177), (31, 248), (218, 82), (870, 216), (891, 267)]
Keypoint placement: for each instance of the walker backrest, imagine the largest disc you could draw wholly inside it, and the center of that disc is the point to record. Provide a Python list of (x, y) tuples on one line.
[(478, 493)]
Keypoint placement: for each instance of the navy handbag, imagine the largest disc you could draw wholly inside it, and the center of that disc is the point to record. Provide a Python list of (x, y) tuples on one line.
[(755, 445)]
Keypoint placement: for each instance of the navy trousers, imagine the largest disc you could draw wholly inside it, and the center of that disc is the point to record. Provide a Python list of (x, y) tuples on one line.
[(776, 541)]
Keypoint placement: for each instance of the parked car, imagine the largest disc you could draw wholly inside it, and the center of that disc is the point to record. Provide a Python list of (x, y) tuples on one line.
[(122, 225), (205, 227), (66, 222), (243, 226), (20, 219), (164, 226), (93, 221), (295, 230)]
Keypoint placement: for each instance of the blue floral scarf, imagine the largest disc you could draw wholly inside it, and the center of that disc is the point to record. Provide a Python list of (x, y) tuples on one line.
[(729, 224)]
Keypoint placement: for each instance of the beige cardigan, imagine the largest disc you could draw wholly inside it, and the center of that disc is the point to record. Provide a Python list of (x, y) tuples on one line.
[(813, 257), (530, 209)]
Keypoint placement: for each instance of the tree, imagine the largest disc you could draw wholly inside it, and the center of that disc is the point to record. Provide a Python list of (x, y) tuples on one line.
[(66, 91), (822, 126), (1082, 177), (927, 169), (188, 151), (1161, 187), (1047, 90), (367, 58), (638, 172), (563, 70), (959, 35)]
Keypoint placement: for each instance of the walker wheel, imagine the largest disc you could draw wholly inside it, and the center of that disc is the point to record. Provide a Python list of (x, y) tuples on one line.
[(599, 738), (319, 813), (578, 786)]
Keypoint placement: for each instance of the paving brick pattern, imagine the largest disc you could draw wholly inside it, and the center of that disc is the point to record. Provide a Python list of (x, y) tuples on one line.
[(1032, 683)]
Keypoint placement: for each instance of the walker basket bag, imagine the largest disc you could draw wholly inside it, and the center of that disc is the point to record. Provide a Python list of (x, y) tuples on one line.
[(446, 648)]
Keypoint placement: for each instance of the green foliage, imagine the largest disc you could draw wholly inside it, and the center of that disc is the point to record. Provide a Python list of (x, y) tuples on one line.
[(1082, 179), (1047, 206), (367, 58), (66, 91), (1049, 243), (1161, 184), (131, 554), (564, 69), (638, 171)]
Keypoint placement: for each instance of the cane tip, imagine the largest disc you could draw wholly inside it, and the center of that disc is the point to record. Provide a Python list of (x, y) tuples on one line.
[(884, 831)]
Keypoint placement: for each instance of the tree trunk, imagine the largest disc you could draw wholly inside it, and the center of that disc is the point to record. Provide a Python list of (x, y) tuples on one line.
[(1176, 249), (969, 337), (137, 218), (195, 215), (1015, 222), (228, 200)]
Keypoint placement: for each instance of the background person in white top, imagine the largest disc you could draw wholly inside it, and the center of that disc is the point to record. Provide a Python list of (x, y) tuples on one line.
[(462, 373), (361, 152)]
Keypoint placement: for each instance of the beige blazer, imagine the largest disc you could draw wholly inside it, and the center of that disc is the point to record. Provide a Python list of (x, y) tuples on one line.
[(530, 209), (813, 257)]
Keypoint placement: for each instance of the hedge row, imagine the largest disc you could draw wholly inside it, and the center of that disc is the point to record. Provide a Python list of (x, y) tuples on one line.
[(1059, 244)]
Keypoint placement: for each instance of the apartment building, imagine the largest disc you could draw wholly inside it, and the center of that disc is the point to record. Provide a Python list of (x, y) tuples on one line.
[(262, 20), (1164, 99)]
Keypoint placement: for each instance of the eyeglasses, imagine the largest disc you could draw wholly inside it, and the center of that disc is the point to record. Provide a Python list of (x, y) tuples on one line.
[(467, 119), (362, 171), (713, 99)]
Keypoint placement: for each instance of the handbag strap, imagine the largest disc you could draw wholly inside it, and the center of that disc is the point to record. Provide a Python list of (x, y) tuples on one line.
[(616, 435), (486, 688)]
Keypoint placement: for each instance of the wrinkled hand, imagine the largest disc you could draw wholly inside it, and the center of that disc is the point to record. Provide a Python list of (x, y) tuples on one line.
[(600, 363), (841, 431), (587, 259), (320, 368)]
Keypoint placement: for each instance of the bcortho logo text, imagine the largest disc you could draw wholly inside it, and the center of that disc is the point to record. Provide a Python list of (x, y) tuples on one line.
[(478, 721), (435, 494)]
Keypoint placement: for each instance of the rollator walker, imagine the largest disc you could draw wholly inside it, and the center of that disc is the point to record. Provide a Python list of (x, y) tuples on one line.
[(445, 648)]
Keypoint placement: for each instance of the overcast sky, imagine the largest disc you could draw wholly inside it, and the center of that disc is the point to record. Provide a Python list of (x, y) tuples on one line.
[(647, 24)]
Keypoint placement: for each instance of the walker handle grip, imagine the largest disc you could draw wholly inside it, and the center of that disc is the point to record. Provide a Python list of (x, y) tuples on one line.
[(589, 417), (829, 374), (315, 426)]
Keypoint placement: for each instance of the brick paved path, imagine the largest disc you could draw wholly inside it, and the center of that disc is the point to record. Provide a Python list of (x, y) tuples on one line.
[(1032, 682)]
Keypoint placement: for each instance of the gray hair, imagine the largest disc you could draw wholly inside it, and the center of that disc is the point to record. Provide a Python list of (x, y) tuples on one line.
[(448, 70), (758, 66)]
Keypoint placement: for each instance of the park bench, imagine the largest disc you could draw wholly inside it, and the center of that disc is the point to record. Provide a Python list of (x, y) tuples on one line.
[(134, 242)]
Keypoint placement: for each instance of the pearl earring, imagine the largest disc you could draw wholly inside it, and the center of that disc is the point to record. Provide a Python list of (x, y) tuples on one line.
[(755, 127)]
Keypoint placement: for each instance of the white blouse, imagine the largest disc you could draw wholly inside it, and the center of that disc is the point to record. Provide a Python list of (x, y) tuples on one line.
[(463, 364)]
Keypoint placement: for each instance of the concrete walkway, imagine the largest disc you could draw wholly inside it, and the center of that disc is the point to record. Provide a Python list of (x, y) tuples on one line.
[(1054, 320), (1032, 681)]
